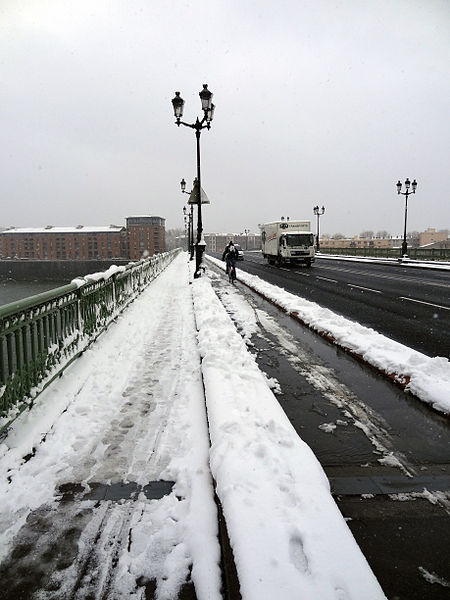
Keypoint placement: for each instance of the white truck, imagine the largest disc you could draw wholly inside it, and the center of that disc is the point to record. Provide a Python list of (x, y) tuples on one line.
[(287, 242)]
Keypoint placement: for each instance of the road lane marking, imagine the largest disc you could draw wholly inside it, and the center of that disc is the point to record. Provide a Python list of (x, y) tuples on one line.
[(422, 302), (301, 273), (360, 287), (396, 278), (326, 279)]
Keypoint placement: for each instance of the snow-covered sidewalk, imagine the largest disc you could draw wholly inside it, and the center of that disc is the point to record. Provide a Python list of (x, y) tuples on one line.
[(132, 409)]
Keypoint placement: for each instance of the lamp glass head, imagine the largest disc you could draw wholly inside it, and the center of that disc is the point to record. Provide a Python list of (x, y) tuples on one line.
[(178, 105), (210, 113), (206, 97)]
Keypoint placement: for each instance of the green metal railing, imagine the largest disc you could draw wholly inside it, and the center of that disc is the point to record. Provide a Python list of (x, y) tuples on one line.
[(414, 253), (41, 335)]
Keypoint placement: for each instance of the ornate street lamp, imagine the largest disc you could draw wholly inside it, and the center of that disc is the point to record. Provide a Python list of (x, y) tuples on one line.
[(318, 212), (191, 218), (208, 114), (408, 184)]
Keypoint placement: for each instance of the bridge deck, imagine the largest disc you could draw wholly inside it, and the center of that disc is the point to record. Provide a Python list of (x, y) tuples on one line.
[(108, 482)]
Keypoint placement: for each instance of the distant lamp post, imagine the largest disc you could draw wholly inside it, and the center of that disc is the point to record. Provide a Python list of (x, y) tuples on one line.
[(408, 185), (318, 212), (208, 114), (186, 234), (191, 220), (187, 227), (246, 231)]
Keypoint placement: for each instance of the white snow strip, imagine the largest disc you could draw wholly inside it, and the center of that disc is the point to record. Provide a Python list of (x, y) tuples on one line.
[(289, 539), (433, 578), (404, 262), (428, 378)]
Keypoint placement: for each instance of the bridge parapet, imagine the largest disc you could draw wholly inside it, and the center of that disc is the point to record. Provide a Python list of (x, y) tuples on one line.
[(41, 335), (436, 254)]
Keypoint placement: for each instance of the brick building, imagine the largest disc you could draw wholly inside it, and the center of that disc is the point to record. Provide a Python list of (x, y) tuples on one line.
[(431, 236), (424, 238), (357, 242), (143, 236), (146, 236)]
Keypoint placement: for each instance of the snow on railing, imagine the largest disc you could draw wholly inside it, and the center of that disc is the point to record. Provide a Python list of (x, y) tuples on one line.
[(41, 335)]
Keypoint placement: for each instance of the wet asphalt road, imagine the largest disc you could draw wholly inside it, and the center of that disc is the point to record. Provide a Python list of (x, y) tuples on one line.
[(386, 454), (409, 305)]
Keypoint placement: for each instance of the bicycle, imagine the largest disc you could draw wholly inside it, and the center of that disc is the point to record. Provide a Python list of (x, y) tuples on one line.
[(231, 274)]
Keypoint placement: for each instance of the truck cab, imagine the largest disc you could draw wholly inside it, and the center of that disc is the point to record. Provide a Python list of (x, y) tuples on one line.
[(296, 247), (288, 242)]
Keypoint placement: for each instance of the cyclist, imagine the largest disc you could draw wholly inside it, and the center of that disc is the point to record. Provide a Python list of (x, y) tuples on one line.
[(230, 254)]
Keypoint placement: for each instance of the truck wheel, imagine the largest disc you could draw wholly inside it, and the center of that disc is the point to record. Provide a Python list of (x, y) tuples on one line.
[(308, 262)]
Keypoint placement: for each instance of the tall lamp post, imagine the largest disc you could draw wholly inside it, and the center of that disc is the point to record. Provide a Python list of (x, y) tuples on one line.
[(208, 113), (408, 184), (318, 212), (191, 218)]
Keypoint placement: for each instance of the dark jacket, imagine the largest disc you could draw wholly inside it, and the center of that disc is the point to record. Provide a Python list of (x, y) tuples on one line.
[(230, 253)]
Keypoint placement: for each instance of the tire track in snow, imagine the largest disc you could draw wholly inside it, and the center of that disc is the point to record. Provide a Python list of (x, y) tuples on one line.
[(322, 378)]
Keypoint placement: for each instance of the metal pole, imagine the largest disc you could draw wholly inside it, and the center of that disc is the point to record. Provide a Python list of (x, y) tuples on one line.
[(189, 232), (188, 229), (317, 238), (191, 225), (405, 245), (199, 247)]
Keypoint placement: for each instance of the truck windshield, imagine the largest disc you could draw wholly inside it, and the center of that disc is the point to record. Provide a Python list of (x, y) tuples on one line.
[(300, 239)]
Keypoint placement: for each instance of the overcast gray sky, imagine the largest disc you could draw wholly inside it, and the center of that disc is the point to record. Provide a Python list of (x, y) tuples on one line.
[(317, 102)]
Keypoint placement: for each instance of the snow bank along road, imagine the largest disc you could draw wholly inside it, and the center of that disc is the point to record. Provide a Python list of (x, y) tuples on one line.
[(407, 303), (426, 377), (107, 483)]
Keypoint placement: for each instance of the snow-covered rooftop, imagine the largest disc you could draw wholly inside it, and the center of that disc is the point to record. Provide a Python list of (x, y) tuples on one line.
[(56, 229)]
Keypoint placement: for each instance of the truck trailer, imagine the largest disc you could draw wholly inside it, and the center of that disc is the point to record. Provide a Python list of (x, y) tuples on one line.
[(288, 242)]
